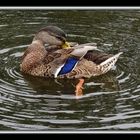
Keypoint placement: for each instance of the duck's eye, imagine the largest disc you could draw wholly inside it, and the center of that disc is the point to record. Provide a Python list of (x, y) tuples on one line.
[(60, 38)]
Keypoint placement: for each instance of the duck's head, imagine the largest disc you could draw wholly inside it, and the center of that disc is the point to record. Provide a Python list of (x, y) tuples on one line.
[(52, 35)]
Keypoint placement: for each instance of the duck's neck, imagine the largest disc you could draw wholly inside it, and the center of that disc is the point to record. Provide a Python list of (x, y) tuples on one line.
[(38, 42), (37, 45)]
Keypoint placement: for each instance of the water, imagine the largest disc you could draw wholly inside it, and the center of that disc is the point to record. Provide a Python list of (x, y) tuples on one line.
[(109, 102)]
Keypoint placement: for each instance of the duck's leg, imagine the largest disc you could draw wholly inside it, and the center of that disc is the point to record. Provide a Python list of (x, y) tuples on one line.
[(79, 88)]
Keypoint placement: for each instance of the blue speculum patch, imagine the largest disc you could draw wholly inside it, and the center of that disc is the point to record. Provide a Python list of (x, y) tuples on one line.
[(69, 65)]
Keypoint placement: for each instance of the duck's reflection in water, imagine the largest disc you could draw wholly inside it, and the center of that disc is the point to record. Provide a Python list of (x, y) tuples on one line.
[(77, 87)]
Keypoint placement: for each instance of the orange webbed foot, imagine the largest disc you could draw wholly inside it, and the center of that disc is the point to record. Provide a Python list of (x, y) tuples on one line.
[(79, 88)]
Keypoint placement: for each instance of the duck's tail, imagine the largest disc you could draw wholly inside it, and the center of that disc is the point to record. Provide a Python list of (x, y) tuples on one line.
[(109, 63)]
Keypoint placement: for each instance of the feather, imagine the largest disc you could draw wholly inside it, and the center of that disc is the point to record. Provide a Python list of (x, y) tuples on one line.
[(97, 56), (109, 63), (69, 65), (80, 51)]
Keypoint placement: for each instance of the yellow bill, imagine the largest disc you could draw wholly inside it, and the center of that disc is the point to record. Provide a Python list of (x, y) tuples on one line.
[(66, 45)]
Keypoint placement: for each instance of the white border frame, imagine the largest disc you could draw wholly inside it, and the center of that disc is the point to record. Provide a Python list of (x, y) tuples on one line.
[(70, 8)]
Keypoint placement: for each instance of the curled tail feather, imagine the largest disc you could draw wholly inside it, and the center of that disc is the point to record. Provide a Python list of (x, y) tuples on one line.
[(109, 63)]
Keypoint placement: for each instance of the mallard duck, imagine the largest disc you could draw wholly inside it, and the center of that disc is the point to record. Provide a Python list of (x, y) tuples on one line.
[(62, 60)]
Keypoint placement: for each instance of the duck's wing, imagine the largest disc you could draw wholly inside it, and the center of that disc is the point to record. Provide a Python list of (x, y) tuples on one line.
[(86, 44), (64, 61), (97, 56)]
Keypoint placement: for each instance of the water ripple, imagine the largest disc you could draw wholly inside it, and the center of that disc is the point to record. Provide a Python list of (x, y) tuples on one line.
[(17, 90)]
